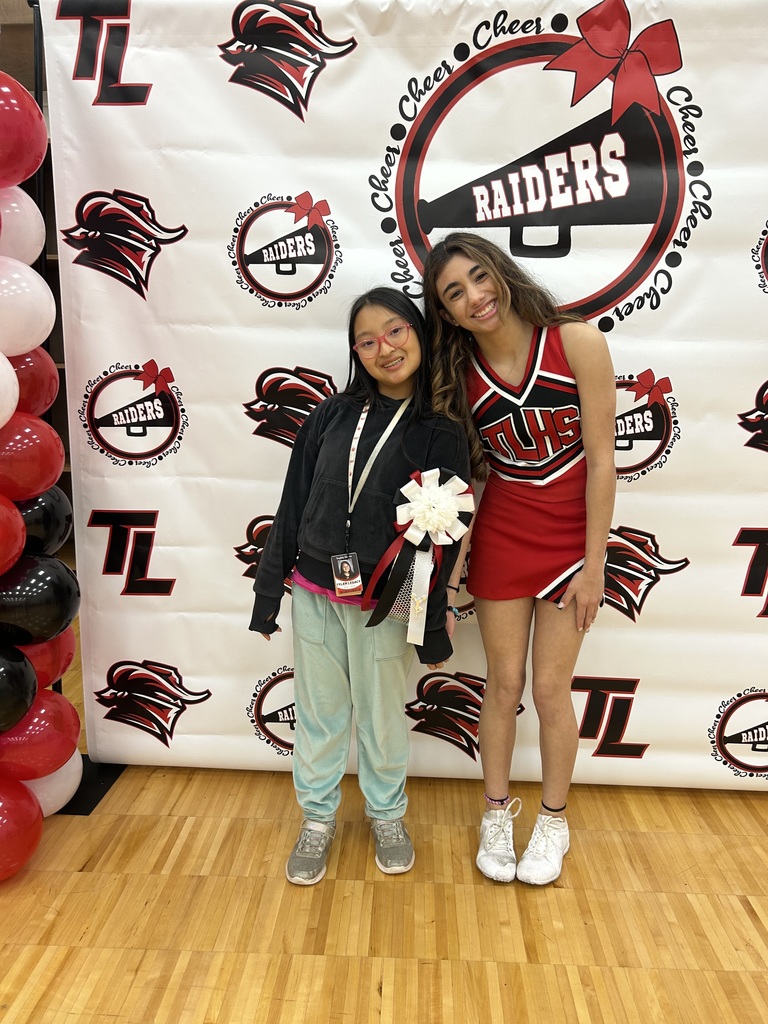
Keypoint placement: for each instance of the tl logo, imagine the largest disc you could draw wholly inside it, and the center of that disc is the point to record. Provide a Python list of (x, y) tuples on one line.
[(104, 30), (130, 541), (757, 572)]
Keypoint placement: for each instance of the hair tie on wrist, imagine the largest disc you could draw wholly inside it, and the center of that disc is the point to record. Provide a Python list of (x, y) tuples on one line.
[(450, 586)]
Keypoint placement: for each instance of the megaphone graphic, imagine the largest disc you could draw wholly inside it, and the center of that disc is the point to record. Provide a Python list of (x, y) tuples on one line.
[(597, 173), (307, 246), (756, 737), (641, 424), (283, 716), (136, 417)]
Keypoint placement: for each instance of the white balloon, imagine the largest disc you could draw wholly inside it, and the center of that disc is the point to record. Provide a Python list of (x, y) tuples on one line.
[(27, 308), (54, 791), (22, 227), (9, 390)]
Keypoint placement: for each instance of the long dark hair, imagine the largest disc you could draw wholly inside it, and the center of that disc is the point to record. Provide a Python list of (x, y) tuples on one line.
[(516, 291), (360, 384)]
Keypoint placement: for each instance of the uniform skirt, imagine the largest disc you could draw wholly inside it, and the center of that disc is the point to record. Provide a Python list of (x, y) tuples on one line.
[(528, 541)]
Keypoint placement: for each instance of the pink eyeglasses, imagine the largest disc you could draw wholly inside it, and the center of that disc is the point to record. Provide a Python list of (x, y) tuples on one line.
[(395, 337)]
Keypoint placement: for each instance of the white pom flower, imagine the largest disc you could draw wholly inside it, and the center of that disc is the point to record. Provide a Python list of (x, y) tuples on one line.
[(433, 508)]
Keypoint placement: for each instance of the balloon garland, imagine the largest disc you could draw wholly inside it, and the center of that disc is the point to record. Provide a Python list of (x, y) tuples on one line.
[(40, 764)]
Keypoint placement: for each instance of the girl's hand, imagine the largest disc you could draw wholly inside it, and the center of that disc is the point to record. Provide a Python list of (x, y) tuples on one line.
[(587, 592), (438, 665), (268, 636)]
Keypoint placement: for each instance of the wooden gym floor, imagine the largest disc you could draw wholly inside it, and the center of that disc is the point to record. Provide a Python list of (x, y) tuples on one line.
[(168, 903)]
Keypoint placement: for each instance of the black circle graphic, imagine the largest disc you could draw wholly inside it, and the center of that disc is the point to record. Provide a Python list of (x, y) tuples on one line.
[(661, 443), (723, 742), (269, 719), (108, 443), (661, 156), (268, 290)]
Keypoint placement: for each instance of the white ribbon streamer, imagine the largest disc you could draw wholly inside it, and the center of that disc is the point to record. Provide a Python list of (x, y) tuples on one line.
[(432, 509)]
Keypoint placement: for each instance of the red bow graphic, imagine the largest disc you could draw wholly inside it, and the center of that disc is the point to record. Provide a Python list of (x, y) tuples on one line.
[(647, 384), (152, 375), (604, 49), (314, 212)]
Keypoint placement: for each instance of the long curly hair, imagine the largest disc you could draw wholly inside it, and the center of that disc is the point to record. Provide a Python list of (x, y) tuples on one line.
[(516, 291)]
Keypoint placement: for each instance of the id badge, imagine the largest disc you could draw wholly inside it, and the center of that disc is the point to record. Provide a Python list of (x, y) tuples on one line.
[(346, 575)]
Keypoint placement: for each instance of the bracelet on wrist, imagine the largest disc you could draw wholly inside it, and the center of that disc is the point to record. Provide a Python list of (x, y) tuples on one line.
[(454, 609)]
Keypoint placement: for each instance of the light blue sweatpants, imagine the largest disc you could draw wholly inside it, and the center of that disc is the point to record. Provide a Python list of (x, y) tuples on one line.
[(341, 667)]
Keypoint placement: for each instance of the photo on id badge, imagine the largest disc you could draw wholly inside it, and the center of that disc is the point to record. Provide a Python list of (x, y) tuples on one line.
[(346, 575)]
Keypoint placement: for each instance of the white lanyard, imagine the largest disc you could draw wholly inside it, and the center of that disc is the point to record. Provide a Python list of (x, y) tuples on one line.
[(371, 458)]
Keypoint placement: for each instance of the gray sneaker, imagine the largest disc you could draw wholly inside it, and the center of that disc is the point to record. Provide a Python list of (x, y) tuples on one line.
[(394, 849), (306, 865)]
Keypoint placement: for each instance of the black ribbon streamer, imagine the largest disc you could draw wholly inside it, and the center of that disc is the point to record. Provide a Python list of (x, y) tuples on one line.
[(397, 576)]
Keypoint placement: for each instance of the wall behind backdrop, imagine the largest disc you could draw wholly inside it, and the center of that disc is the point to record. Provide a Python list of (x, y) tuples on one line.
[(229, 176)]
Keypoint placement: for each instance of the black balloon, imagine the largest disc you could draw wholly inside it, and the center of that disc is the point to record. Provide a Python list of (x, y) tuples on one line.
[(39, 598), (48, 519), (18, 686)]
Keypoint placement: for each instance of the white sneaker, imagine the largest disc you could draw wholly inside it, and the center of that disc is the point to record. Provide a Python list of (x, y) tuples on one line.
[(542, 861), (496, 856)]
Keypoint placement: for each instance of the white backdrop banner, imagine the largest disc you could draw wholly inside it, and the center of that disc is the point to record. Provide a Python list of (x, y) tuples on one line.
[(229, 176)]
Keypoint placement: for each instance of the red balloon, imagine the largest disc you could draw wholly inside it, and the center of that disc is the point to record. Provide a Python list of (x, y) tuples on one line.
[(51, 659), (12, 533), (38, 381), (43, 740), (23, 134), (31, 457), (21, 826)]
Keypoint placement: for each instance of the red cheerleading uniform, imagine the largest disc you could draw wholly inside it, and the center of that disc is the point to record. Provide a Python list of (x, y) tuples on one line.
[(529, 535)]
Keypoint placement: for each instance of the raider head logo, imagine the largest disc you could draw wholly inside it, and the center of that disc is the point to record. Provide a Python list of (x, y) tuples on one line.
[(284, 399), (250, 553), (279, 49), (633, 567), (448, 708), (756, 421), (147, 695), (119, 235)]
